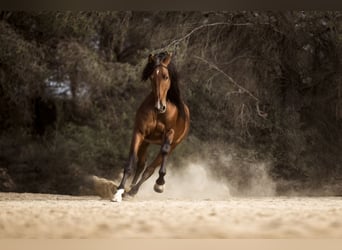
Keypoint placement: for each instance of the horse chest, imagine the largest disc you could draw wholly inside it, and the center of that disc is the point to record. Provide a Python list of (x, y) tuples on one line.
[(157, 132), (157, 129)]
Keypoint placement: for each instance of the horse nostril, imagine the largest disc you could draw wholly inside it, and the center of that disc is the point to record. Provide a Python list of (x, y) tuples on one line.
[(161, 108)]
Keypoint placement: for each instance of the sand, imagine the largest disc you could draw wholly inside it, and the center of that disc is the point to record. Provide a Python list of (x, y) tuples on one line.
[(56, 216)]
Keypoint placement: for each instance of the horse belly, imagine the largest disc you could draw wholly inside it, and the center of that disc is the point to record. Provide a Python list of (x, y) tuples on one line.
[(154, 141), (156, 138)]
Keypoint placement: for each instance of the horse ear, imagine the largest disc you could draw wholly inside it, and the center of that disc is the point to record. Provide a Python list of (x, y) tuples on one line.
[(150, 58), (167, 59)]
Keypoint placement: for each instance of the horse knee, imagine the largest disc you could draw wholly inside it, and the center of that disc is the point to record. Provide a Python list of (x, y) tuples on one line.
[(128, 170), (166, 148)]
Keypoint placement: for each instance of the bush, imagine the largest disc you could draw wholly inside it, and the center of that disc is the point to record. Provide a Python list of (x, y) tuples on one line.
[(263, 84)]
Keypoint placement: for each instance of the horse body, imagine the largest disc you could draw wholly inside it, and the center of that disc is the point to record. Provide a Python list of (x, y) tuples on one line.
[(163, 119), (153, 126)]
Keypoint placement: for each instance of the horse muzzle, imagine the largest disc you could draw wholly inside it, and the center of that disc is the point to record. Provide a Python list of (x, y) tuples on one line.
[(160, 107)]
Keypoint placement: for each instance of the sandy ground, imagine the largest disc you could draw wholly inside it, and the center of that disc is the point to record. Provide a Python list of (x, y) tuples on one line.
[(57, 216)]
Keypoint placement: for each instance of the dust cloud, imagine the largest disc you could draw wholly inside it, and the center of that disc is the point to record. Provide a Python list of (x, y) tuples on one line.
[(217, 173), (246, 177), (213, 177), (194, 181)]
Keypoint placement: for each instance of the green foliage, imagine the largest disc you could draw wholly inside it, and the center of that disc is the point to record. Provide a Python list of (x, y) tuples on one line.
[(268, 83)]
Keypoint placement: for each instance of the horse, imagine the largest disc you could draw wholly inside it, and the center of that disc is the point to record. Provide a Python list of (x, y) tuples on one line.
[(162, 118)]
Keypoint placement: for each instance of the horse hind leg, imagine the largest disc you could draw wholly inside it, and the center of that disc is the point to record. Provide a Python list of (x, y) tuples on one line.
[(146, 174), (159, 186)]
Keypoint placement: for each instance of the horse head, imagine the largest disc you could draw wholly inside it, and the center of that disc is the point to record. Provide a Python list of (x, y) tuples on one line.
[(160, 79)]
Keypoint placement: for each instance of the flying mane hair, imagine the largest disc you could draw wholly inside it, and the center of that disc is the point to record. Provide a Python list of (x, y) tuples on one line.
[(173, 95)]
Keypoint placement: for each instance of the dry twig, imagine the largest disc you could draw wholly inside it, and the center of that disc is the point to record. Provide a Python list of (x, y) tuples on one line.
[(176, 41), (243, 89)]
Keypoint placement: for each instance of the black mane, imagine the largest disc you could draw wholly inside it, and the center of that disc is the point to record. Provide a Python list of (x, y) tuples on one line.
[(173, 95)]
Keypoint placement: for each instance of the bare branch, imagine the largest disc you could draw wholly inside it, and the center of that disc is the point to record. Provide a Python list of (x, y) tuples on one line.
[(176, 41), (229, 78), (260, 113), (243, 89)]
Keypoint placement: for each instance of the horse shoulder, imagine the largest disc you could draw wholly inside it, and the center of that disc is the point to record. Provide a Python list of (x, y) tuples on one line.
[(145, 120)]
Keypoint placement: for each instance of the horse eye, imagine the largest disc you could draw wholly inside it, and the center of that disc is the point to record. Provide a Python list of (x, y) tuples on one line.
[(165, 77)]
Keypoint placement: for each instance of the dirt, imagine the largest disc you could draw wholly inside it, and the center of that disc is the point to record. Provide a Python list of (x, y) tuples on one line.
[(29, 215)]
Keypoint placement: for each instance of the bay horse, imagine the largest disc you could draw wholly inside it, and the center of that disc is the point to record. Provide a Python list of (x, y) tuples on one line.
[(162, 118)]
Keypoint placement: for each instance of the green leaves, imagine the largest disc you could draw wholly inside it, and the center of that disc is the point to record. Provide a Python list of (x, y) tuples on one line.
[(234, 67)]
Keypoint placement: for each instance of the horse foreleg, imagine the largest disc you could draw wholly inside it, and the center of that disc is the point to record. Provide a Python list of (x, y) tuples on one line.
[(135, 144), (165, 151), (141, 162), (127, 173)]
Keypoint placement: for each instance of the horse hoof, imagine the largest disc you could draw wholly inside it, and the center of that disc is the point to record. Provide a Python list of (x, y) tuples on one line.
[(158, 188), (118, 195), (133, 191)]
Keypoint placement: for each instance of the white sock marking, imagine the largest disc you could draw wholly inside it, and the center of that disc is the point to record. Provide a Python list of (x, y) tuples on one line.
[(118, 195)]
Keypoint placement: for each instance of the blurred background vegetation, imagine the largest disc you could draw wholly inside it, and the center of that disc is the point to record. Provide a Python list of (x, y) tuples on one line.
[(261, 87)]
